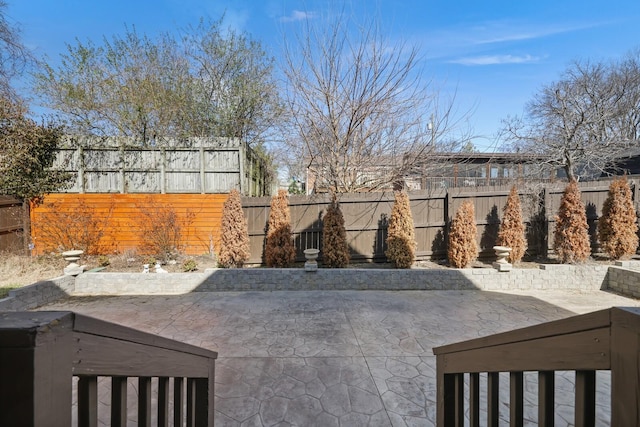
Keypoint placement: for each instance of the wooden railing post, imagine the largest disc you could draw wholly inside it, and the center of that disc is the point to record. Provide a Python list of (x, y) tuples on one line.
[(625, 366), (35, 369)]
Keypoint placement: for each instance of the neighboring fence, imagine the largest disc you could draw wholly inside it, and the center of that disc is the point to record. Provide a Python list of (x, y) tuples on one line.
[(196, 165), (109, 223), (42, 352), (604, 340), (366, 216), (12, 225)]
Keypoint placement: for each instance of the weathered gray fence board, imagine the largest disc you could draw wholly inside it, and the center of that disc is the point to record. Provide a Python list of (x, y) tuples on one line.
[(198, 165)]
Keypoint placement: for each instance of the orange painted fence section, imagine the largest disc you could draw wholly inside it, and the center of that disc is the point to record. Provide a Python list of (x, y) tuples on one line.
[(117, 223)]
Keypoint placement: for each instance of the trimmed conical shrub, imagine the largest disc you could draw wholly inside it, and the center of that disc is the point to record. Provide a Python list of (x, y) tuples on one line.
[(463, 246), (571, 235), (512, 230), (234, 239), (617, 228), (335, 251), (401, 239), (279, 249)]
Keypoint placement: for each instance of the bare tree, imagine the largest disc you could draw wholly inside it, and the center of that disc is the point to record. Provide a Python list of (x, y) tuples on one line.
[(207, 81), (359, 113), (14, 56), (583, 122)]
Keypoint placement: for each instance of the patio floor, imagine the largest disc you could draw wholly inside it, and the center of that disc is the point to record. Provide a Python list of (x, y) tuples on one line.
[(342, 358)]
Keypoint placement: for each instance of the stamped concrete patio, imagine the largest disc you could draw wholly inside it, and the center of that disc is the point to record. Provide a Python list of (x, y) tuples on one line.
[(342, 358)]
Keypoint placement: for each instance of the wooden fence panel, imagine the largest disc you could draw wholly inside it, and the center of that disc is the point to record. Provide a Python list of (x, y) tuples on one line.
[(11, 225), (200, 165), (119, 222)]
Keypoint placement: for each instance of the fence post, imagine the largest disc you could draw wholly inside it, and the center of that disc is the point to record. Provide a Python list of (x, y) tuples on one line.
[(81, 166), (548, 216)]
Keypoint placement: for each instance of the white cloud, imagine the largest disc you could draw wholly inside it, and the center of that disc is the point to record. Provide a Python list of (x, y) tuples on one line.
[(495, 60), (297, 15), (502, 32)]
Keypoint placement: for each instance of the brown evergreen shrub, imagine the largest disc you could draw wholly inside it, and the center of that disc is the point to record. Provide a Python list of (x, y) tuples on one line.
[(571, 235), (335, 251), (234, 239), (463, 246), (401, 240), (279, 248), (617, 229), (512, 231)]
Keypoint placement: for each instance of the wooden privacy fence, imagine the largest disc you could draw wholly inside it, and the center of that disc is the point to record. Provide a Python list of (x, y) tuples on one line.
[(12, 224), (108, 223), (122, 221), (366, 216), (195, 165)]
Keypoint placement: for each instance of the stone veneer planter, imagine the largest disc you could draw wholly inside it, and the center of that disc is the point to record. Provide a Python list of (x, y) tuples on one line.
[(624, 278)]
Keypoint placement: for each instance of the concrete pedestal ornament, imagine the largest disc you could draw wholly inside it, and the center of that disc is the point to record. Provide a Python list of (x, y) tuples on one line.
[(311, 256), (73, 269), (502, 253)]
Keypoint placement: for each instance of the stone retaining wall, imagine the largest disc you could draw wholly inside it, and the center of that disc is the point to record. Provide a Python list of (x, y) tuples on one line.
[(270, 279), (38, 294), (623, 278)]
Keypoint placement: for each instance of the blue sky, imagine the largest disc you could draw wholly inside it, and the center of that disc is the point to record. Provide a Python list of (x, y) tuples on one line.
[(495, 54)]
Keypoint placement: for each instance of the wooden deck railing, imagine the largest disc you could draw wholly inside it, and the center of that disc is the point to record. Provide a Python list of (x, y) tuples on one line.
[(603, 340), (41, 352)]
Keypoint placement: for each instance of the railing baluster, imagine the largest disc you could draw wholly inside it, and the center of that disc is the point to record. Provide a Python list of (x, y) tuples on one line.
[(202, 403), (459, 399), (446, 399), (119, 401), (144, 402), (178, 401), (88, 401), (585, 415), (474, 399), (493, 399), (546, 398), (191, 402), (516, 399), (163, 402)]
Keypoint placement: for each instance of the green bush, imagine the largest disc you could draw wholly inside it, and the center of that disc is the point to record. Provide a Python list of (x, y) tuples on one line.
[(189, 265), (401, 241)]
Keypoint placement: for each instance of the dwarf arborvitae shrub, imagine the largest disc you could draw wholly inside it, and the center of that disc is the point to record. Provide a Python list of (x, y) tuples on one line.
[(234, 239), (401, 239), (512, 231), (617, 229), (571, 235), (279, 250), (335, 251), (463, 246)]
